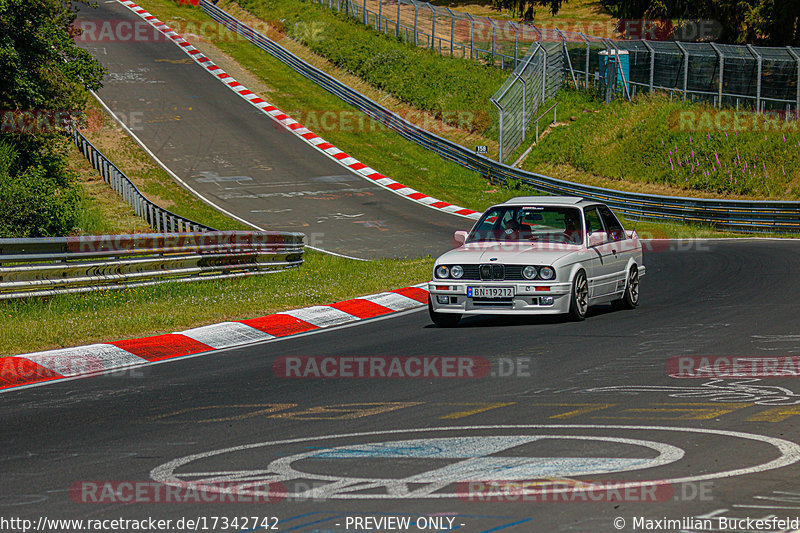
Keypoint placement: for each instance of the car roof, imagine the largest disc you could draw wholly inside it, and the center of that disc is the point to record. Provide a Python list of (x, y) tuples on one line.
[(549, 200)]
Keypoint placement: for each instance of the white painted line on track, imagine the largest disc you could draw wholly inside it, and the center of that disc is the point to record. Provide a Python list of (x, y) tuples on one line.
[(789, 453), (205, 200)]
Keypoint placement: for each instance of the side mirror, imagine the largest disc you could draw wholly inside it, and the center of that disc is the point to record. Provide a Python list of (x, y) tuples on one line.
[(595, 239), (460, 237)]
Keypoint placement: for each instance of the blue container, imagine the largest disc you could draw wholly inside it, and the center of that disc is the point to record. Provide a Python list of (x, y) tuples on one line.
[(608, 59)]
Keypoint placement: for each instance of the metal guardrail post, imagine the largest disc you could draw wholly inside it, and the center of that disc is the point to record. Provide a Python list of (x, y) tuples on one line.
[(797, 60), (471, 36), (516, 43), (397, 27), (685, 69), (588, 52), (494, 30), (625, 89), (544, 72), (500, 135), (452, 29), (721, 58), (433, 27), (609, 87), (416, 13), (524, 104), (758, 82), (566, 54), (652, 63)]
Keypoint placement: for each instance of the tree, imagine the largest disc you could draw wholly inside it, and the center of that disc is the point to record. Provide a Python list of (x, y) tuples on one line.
[(45, 75), (768, 22), (42, 65), (526, 8)]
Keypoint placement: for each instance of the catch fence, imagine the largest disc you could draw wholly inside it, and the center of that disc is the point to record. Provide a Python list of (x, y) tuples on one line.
[(746, 77)]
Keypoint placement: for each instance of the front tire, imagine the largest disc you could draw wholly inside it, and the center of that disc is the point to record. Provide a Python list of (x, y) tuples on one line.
[(443, 320), (579, 299), (630, 298)]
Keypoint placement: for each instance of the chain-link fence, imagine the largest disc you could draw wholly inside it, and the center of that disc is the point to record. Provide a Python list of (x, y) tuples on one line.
[(498, 42), (753, 78), (535, 80), (745, 77)]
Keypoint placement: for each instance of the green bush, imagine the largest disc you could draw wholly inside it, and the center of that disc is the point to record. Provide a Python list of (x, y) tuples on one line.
[(38, 194)]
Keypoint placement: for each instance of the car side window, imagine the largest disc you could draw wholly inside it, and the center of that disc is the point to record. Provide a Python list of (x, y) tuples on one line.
[(613, 226), (488, 223), (593, 223)]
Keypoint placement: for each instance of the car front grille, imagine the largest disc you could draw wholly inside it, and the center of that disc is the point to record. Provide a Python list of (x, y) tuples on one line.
[(493, 272)]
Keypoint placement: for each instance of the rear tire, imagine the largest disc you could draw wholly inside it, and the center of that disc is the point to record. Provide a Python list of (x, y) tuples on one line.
[(630, 298), (443, 320), (579, 299)]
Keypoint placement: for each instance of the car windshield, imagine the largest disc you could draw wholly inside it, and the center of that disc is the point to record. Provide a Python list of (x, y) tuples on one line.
[(529, 224)]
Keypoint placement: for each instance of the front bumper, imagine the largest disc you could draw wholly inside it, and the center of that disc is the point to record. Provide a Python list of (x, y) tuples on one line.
[(530, 298)]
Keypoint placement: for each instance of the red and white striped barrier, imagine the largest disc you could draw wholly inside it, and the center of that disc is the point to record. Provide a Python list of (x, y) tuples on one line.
[(295, 127), (27, 369)]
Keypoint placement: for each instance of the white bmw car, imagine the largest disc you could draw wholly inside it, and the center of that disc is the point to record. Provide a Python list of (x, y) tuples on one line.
[(538, 255)]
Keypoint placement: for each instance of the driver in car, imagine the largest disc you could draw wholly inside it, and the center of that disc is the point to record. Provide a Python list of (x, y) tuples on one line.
[(572, 229)]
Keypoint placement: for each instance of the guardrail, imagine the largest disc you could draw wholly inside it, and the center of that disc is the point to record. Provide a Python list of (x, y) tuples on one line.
[(157, 217), (59, 265), (734, 215)]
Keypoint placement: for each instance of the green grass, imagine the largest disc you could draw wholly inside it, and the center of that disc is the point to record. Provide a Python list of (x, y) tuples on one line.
[(102, 211), (43, 323), (70, 320), (418, 76), (381, 149), (565, 153), (666, 145)]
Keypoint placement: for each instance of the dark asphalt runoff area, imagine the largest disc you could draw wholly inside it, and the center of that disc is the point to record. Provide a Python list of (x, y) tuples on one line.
[(564, 403), (241, 160)]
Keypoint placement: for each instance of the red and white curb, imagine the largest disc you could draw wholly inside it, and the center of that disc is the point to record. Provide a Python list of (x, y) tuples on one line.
[(64, 363), (295, 127)]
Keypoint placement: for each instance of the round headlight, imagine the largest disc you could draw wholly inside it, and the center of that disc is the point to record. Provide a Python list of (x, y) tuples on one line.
[(529, 272), (547, 273), (442, 271), (457, 271)]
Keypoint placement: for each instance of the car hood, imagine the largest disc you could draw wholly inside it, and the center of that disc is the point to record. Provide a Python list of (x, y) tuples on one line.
[(536, 254)]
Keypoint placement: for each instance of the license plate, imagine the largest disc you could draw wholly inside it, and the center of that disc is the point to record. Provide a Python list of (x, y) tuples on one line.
[(490, 292)]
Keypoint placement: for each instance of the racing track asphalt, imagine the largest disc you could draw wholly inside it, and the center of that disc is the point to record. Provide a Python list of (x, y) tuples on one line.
[(702, 298), (243, 161)]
